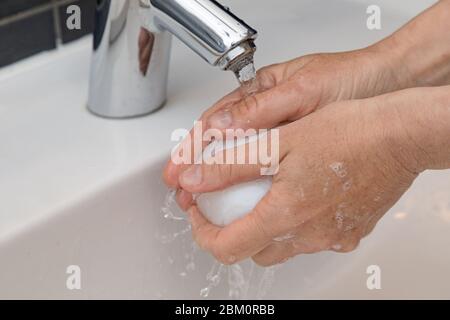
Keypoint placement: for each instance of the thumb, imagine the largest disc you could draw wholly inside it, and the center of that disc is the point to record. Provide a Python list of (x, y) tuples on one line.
[(288, 101), (238, 164)]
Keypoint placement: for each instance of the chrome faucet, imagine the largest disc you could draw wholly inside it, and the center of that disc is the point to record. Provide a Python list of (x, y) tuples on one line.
[(132, 41)]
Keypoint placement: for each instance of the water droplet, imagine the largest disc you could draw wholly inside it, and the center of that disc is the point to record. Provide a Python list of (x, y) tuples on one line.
[(339, 169), (204, 293)]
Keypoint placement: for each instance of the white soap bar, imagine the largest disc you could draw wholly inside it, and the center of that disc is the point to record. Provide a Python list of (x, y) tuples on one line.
[(223, 207)]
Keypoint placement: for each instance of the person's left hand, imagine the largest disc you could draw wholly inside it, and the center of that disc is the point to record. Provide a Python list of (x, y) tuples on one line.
[(341, 169)]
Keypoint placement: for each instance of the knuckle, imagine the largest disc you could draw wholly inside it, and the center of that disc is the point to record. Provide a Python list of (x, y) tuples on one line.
[(317, 245), (225, 172), (199, 240), (323, 244), (202, 245), (223, 254), (262, 223), (267, 76), (205, 114), (223, 257), (250, 105), (302, 83), (264, 70), (219, 257), (267, 72), (308, 249), (350, 246)]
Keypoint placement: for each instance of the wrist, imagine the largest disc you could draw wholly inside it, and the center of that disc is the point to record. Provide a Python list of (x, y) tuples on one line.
[(417, 125), (391, 70), (419, 53)]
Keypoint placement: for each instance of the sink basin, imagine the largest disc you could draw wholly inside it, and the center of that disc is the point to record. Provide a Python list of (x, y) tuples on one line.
[(80, 190)]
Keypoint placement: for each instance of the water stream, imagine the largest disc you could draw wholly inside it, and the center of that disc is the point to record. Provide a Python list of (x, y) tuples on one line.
[(244, 280), (246, 77)]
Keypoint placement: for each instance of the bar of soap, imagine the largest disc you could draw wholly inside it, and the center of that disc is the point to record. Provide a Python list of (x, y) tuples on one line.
[(225, 206)]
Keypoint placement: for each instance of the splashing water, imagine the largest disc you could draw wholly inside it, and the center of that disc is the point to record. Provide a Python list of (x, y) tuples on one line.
[(213, 277), (237, 282), (339, 169), (172, 237), (266, 281), (166, 209), (244, 280)]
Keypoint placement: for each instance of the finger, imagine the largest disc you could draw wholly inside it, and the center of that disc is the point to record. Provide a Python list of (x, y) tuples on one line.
[(349, 240), (371, 223), (184, 199), (345, 246), (209, 177), (244, 237), (172, 170), (353, 232), (277, 98), (287, 101), (275, 253), (352, 238), (232, 244), (280, 251), (312, 236), (266, 79)]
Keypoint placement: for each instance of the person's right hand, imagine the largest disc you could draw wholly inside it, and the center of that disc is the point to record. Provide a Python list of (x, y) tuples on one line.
[(288, 91)]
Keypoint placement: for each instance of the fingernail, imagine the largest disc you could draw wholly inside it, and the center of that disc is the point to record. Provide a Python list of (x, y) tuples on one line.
[(192, 176), (221, 120)]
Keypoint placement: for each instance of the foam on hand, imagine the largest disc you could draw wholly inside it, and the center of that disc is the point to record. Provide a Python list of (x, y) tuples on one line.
[(225, 206)]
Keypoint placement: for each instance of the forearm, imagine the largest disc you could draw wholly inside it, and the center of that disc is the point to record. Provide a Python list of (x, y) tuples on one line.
[(419, 53), (420, 121)]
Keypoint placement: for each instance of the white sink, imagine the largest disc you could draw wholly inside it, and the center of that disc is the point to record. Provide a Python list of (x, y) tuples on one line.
[(80, 190)]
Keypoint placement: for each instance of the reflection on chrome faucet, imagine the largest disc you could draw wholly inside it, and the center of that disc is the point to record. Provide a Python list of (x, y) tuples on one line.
[(132, 41), (146, 41)]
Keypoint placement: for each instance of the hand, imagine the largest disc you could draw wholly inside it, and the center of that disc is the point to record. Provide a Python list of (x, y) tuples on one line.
[(292, 90), (416, 55), (390, 146), (342, 168)]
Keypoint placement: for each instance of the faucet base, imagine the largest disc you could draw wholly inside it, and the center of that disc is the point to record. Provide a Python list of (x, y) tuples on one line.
[(131, 116), (130, 65), (132, 41)]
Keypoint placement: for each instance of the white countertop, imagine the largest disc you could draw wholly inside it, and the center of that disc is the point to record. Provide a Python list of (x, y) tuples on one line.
[(53, 151)]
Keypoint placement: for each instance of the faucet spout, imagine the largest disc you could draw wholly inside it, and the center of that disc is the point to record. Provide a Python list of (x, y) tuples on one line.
[(207, 27), (132, 41)]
